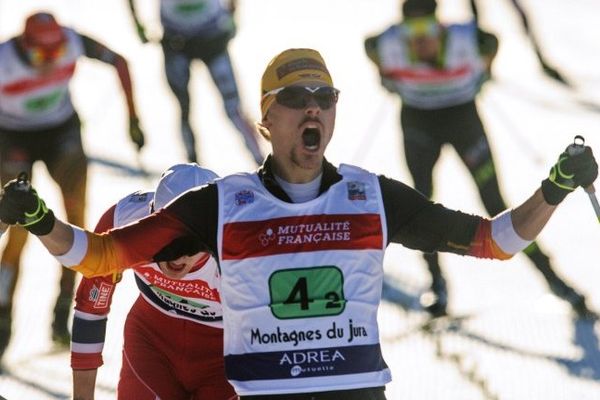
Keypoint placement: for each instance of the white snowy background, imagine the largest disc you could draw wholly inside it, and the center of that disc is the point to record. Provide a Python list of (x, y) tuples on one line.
[(518, 342)]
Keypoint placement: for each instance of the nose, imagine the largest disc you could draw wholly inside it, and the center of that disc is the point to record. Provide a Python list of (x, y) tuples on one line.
[(312, 107)]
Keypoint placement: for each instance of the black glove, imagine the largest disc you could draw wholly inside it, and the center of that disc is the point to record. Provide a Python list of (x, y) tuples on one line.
[(135, 133), (20, 204), (575, 167), (487, 43)]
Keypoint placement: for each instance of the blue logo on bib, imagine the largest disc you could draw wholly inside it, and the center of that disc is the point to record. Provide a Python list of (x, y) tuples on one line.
[(356, 191), (244, 197)]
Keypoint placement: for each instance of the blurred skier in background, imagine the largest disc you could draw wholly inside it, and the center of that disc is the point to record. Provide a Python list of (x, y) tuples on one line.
[(38, 123), (201, 30), (437, 70)]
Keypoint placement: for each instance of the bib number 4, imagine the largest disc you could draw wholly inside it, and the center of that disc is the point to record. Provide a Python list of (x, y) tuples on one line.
[(307, 292)]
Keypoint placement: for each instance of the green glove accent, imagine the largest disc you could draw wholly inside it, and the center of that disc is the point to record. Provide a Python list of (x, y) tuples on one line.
[(32, 218), (135, 133), (559, 177)]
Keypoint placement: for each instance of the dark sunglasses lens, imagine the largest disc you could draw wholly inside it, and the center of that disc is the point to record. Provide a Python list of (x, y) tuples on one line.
[(299, 97), (326, 97), (293, 97)]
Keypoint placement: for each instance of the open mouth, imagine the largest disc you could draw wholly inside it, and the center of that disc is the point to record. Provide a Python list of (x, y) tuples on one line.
[(311, 138), (175, 267)]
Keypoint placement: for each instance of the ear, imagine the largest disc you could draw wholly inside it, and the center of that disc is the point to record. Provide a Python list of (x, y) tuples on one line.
[(263, 128), (265, 122)]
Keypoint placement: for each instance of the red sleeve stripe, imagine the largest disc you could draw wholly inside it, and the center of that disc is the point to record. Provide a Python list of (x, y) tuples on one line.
[(483, 244), (86, 361)]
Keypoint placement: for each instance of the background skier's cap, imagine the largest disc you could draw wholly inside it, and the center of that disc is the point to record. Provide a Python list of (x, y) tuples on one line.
[(42, 30), (293, 67)]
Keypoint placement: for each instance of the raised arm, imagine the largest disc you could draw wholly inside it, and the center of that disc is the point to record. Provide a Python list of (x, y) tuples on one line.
[(429, 227), (95, 254), (98, 51)]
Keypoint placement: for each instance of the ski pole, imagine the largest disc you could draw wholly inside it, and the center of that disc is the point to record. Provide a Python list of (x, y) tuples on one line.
[(370, 133), (515, 132), (591, 191), (576, 148), (122, 167)]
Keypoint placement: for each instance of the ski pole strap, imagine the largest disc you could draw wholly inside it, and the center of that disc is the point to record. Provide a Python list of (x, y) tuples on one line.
[(39, 221)]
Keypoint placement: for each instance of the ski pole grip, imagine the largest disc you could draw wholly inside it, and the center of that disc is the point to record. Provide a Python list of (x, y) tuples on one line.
[(577, 147), (23, 183)]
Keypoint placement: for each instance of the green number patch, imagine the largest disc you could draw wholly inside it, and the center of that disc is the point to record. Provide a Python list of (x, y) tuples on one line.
[(307, 292), (42, 103)]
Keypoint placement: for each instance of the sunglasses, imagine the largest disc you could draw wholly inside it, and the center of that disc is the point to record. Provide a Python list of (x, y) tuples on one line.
[(39, 55), (299, 97), (421, 26)]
